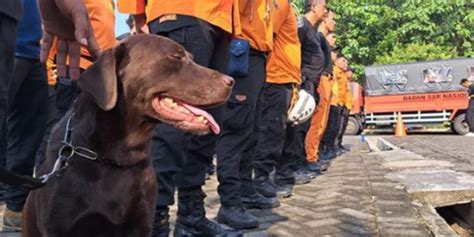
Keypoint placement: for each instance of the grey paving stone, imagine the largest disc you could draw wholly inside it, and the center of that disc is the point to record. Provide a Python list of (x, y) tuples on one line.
[(323, 222), (355, 213)]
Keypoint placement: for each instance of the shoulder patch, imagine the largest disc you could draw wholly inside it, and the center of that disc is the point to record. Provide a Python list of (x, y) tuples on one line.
[(300, 21)]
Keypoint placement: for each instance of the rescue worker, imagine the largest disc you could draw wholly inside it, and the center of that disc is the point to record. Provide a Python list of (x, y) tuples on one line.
[(470, 109), (283, 79), (10, 14), (181, 159), (312, 67), (336, 102), (346, 102), (102, 19), (320, 116), (27, 110), (236, 141)]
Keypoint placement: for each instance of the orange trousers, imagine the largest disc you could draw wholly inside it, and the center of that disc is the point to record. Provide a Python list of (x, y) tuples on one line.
[(319, 121)]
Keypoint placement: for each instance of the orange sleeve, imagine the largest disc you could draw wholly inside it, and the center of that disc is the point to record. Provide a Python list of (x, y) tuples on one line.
[(236, 25), (256, 23), (280, 15), (134, 7), (348, 102)]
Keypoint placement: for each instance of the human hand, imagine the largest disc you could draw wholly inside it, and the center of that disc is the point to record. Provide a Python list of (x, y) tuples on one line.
[(140, 26), (69, 22)]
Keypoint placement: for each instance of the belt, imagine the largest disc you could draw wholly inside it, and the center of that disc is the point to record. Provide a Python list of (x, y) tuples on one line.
[(257, 53)]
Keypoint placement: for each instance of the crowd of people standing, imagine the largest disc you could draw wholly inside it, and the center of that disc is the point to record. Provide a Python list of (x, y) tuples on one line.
[(259, 155)]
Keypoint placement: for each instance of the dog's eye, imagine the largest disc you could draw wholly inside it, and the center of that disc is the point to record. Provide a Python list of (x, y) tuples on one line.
[(177, 56)]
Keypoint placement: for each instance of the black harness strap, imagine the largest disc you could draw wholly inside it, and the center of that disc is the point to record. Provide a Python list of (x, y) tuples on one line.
[(66, 152), (14, 179)]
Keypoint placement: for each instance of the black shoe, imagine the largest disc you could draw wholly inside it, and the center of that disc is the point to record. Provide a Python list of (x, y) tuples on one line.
[(265, 186), (302, 178), (311, 175), (343, 148), (283, 191), (333, 152), (236, 217), (323, 155), (192, 219), (340, 152), (317, 167), (257, 201), (161, 223), (296, 178)]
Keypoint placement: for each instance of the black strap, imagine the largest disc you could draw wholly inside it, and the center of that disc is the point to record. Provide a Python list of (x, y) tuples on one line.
[(14, 179)]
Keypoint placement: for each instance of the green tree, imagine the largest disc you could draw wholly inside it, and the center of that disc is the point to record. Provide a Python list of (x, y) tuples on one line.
[(416, 52), (383, 32)]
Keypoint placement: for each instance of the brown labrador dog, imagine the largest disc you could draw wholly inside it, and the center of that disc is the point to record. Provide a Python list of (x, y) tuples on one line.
[(143, 80)]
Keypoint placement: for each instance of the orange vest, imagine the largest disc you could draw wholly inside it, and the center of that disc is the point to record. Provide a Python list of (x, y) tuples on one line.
[(217, 12), (339, 76), (256, 23), (284, 62), (348, 99), (343, 87)]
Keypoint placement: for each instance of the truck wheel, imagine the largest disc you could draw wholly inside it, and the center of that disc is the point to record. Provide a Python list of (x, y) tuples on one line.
[(459, 125), (353, 126)]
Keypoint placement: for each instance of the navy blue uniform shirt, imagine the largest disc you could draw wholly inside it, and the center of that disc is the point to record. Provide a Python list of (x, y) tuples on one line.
[(29, 32)]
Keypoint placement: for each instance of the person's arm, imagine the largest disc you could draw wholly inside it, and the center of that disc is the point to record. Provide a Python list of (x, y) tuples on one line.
[(138, 9), (317, 63), (140, 24), (69, 22)]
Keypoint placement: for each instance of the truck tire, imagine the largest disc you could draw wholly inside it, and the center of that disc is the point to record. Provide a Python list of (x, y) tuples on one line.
[(354, 126), (459, 124)]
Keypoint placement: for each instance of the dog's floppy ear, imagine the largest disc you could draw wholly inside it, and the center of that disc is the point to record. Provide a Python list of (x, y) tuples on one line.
[(100, 80)]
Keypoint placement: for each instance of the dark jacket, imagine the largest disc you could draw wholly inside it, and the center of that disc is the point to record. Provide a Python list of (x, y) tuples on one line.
[(11, 8), (312, 57)]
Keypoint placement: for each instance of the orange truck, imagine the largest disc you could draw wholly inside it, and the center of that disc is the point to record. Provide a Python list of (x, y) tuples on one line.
[(426, 93)]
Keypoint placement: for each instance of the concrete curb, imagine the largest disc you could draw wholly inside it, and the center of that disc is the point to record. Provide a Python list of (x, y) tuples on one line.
[(429, 183)]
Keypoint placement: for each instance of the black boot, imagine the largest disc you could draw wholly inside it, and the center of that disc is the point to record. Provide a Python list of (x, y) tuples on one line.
[(236, 217), (192, 219), (161, 224), (265, 186), (258, 201)]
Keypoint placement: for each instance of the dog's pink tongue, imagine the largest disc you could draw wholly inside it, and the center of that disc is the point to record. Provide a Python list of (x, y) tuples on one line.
[(212, 122)]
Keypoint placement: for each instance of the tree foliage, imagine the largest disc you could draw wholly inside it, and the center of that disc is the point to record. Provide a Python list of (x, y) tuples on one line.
[(383, 32)]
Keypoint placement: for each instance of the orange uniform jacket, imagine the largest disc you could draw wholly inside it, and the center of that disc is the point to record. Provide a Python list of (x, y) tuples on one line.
[(256, 23), (343, 89), (340, 85), (102, 17), (253, 22), (348, 100), (217, 12), (284, 62)]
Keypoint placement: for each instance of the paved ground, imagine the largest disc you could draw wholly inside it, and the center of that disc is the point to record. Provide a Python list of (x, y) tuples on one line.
[(457, 150), (352, 199)]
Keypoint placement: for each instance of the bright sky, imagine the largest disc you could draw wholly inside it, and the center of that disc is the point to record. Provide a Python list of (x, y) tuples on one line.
[(120, 25)]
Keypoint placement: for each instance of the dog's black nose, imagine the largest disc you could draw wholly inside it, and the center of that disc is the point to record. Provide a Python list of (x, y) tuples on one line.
[(228, 81)]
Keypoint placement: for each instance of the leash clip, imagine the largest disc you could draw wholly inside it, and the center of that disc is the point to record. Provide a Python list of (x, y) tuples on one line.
[(59, 165)]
